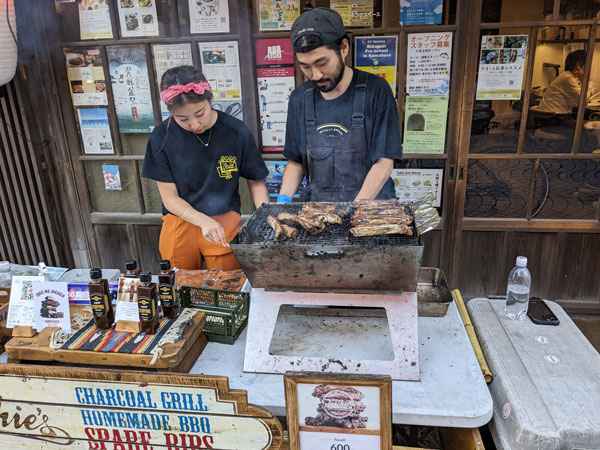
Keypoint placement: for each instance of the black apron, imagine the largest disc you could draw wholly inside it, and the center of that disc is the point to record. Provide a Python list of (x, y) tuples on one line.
[(337, 165)]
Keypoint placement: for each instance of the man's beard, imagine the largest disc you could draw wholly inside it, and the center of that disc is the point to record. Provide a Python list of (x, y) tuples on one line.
[(331, 83)]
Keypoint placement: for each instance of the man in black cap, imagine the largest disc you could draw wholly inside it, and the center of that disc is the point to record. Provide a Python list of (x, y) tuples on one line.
[(342, 128)]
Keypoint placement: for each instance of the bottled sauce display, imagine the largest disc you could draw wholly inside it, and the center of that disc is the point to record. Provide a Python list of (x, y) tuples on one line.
[(517, 291), (102, 309), (132, 270), (147, 304), (5, 274), (167, 291)]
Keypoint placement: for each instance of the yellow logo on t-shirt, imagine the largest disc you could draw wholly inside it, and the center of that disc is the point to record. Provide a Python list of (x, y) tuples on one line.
[(227, 164)]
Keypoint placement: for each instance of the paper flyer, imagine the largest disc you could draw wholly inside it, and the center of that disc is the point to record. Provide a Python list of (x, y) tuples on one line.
[(221, 67), (209, 16), (51, 302), (168, 56), (127, 305), (21, 309), (355, 13), (428, 62), (86, 77), (131, 89), (232, 107), (95, 131), (421, 12), (275, 79), (278, 14), (273, 180), (501, 66), (138, 18), (94, 20), (377, 55), (425, 124), (413, 184), (112, 177)]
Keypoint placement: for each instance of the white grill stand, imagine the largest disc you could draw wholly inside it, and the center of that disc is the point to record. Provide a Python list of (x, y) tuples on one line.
[(401, 310)]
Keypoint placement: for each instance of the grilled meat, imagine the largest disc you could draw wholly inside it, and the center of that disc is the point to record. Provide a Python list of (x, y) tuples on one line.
[(324, 216), (289, 232), (323, 389), (313, 226), (277, 228), (377, 230)]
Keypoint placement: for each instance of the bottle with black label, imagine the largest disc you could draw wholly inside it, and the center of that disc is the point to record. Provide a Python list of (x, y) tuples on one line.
[(166, 290), (102, 309), (132, 270), (147, 304)]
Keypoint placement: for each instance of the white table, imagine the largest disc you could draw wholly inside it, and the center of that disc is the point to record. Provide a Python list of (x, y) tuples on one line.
[(451, 391)]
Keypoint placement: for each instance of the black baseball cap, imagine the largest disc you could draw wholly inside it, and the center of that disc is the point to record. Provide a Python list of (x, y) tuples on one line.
[(325, 24)]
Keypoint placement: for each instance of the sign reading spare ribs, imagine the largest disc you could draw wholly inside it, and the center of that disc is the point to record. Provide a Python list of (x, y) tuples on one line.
[(54, 408), (338, 411)]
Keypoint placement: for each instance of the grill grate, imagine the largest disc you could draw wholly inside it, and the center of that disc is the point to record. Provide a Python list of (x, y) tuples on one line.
[(257, 231)]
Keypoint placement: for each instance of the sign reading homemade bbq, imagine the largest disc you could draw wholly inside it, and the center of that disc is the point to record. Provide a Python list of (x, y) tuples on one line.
[(54, 408)]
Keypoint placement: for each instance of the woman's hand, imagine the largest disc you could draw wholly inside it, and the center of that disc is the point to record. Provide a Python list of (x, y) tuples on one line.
[(212, 230)]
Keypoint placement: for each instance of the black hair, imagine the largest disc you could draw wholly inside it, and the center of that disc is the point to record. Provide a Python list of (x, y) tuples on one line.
[(184, 75), (573, 59), (309, 42)]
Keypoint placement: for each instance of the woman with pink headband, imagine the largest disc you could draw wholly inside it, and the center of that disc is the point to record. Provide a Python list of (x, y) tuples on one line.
[(197, 157)]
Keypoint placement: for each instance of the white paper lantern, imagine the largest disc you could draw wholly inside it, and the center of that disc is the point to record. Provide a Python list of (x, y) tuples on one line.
[(8, 44)]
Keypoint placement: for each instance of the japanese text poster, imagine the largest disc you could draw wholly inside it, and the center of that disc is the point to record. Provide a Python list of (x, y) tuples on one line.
[(421, 12), (221, 67), (413, 184), (278, 14), (275, 79), (428, 63), (138, 18), (86, 77), (355, 13), (95, 131), (425, 124), (51, 303), (168, 56), (501, 66), (112, 177), (94, 20), (131, 89), (273, 180), (378, 55), (209, 16)]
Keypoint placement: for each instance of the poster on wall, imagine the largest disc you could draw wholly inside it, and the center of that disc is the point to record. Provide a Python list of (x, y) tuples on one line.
[(413, 184), (378, 55), (95, 131), (232, 107), (209, 16), (131, 89), (273, 180), (428, 62), (355, 13), (425, 124), (94, 20), (86, 77), (421, 12), (501, 66), (112, 177), (277, 14), (168, 56), (275, 79), (221, 67), (138, 18)]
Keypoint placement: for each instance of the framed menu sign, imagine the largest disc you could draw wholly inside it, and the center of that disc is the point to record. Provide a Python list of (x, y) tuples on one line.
[(338, 411)]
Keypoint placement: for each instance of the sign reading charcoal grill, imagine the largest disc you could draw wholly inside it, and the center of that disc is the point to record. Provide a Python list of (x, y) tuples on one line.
[(57, 408), (345, 412)]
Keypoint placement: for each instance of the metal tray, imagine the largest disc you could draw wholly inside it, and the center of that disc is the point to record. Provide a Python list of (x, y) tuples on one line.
[(433, 294)]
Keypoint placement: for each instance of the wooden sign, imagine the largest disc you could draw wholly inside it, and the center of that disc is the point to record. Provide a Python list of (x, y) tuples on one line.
[(338, 411), (64, 408)]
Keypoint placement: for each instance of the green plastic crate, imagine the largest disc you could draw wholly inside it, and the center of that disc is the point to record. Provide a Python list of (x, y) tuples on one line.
[(226, 311)]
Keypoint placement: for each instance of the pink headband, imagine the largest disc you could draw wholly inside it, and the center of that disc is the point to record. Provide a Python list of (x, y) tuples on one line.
[(176, 89)]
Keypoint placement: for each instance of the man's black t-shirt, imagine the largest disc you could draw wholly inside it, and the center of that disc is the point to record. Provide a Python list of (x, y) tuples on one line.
[(206, 177)]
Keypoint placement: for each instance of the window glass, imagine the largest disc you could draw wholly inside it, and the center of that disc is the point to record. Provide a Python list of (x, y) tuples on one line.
[(114, 199), (516, 10), (134, 143), (579, 10), (590, 138)]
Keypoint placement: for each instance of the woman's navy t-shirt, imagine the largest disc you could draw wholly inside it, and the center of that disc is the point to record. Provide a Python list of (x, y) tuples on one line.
[(206, 177)]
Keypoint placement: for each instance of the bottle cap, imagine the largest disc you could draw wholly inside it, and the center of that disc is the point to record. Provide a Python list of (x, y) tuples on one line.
[(4, 266), (131, 264), (521, 261), (145, 277), (95, 273), (165, 264)]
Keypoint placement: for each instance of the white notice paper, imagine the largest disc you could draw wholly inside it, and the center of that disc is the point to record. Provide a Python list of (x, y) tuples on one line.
[(221, 67), (21, 310), (51, 300), (138, 18), (127, 305), (209, 16)]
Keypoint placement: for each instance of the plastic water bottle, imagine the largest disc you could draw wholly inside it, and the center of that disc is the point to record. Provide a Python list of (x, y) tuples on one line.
[(5, 274), (517, 292)]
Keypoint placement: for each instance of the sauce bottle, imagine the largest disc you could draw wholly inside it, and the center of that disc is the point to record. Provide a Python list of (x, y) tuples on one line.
[(147, 304), (102, 309), (166, 290), (132, 270)]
